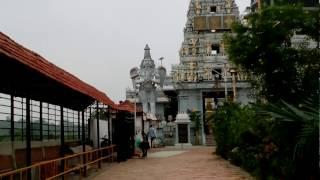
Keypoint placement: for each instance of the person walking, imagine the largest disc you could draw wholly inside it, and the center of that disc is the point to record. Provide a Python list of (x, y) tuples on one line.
[(144, 145), (152, 135)]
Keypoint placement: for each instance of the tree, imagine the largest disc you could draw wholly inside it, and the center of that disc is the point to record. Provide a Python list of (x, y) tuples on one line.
[(264, 47), (296, 130)]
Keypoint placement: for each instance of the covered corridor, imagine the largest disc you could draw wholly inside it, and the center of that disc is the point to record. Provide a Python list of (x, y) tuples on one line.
[(45, 112)]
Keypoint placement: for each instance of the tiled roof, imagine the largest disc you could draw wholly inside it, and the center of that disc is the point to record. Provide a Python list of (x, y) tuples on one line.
[(34, 61), (127, 106)]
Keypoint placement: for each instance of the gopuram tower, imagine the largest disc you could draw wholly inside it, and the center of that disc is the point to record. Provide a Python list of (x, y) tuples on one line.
[(204, 75)]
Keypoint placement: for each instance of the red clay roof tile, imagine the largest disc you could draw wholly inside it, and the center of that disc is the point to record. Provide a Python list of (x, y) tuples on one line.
[(34, 61)]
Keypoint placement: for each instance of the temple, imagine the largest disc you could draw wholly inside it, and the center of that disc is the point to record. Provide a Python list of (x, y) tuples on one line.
[(204, 78)]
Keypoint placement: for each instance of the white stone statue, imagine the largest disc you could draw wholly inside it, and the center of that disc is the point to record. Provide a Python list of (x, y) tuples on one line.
[(148, 78)]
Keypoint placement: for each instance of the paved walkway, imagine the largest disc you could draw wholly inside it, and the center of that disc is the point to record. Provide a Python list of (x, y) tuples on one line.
[(196, 163)]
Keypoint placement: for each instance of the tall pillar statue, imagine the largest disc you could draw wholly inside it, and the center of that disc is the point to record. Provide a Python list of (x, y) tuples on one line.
[(147, 78)]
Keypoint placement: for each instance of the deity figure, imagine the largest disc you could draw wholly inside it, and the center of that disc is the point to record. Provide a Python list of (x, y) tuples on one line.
[(182, 76), (185, 51), (222, 48), (208, 49), (208, 73), (193, 65), (147, 79), (193, 42), (198, 7), (229, 4), (190, 76), (195, 77)]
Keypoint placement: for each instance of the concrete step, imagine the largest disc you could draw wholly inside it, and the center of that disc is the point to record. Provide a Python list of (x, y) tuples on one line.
[(210, 140)]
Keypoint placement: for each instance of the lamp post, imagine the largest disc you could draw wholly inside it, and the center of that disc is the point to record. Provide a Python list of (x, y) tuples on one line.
[(161, 59), (233, 73), (225, 83), (135, 106), (225, 80)]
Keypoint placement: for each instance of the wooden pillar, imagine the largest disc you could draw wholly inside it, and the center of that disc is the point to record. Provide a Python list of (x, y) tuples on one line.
[(109, 123), (12, 132), (62, 144), (89, 126), (79, 129), (28, 137), (98, 133), (12, 118), (61, 132), (41, 121), (84, 145)]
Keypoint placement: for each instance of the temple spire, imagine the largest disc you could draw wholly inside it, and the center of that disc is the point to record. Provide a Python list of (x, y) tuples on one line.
[(147, 60), (147, 54)]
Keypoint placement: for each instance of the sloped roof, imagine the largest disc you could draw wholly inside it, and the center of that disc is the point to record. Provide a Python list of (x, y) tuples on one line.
[(34, 61), (127, 106)]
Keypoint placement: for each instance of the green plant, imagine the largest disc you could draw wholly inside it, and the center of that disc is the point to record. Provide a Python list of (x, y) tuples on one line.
[(263, 47), (297, 132), (195, 118)]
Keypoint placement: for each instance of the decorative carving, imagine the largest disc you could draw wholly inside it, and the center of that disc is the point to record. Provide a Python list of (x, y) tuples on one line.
[(195, 77), (208, 73), (186, 51), (229, 5), (190, 76), (182, 76), (208, 49), (222, 48), (208, 8), (198, 7), (193, 42)]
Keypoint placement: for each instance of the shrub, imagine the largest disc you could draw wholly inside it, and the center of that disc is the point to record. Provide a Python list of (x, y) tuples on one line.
[(274, 141)]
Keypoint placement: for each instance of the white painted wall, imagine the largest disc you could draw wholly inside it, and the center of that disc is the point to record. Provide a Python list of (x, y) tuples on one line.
[(103, 128)]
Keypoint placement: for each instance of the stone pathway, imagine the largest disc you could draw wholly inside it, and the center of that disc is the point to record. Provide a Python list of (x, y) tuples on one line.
[(197, 163)]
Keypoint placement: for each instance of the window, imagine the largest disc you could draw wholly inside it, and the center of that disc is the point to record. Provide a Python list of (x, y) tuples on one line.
[(213, 9), (215, 49)]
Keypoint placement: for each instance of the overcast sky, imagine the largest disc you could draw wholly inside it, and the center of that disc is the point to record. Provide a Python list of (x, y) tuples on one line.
[(99, 41)]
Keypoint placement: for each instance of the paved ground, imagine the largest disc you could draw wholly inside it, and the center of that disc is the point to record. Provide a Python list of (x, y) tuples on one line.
[(197, 163)]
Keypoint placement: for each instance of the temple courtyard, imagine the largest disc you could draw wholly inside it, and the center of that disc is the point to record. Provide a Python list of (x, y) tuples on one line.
[(173, 164)]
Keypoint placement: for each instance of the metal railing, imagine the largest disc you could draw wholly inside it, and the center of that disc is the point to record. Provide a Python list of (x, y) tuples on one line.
[(59, 168)]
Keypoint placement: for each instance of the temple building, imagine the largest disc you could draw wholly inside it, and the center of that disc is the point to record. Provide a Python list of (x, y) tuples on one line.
[(204, 78)]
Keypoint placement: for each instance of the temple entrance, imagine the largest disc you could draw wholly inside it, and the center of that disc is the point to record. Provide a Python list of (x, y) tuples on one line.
[(124, 135), (183, 133), (211, 101)]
